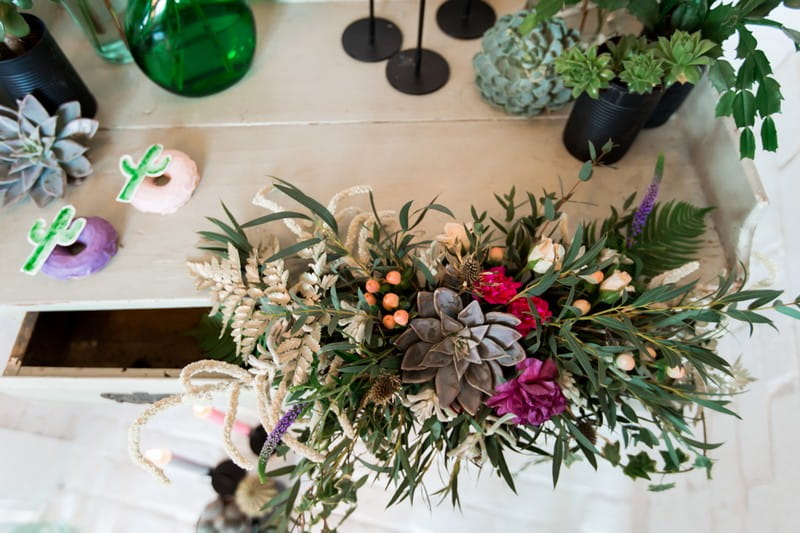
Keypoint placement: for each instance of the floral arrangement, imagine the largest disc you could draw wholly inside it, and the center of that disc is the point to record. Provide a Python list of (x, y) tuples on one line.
[(374, 351)]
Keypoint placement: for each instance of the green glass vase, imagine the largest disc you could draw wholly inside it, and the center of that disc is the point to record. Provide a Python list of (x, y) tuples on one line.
[(191, 47)]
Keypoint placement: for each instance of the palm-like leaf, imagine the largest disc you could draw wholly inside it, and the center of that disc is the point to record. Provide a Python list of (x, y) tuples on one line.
[(671, 237), (214, 345)]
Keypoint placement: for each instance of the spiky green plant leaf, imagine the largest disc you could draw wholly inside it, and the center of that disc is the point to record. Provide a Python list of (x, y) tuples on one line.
[(671, 237), (214, 346)]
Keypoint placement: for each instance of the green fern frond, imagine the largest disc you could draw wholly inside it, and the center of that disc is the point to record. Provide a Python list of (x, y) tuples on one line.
[(212, 345), (672, 236)]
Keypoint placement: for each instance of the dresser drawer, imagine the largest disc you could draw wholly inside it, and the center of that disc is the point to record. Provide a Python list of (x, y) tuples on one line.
[(122, 355)]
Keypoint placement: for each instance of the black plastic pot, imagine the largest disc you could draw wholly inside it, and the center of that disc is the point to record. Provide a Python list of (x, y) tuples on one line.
[(669, 103), (617, 114), (45, 72)]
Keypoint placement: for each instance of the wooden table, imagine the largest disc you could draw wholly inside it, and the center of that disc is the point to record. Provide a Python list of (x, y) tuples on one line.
[(309, 114)]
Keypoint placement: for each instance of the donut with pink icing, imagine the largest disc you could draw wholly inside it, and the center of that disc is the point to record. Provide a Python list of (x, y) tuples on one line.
[(169, 192), (95, 247)]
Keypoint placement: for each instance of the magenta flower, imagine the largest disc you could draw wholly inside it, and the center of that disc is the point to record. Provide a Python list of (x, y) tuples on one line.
[(534, 396), (521, 308), (495, 287)]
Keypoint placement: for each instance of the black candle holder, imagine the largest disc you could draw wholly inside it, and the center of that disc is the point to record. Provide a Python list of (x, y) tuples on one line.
[(418, 70), (372, 39), (465, 19)]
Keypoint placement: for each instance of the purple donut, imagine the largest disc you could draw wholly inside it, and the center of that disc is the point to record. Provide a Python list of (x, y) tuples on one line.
[(94, 248)]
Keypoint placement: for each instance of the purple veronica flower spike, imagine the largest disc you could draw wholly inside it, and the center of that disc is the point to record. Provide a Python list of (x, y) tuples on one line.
[(274, 438), (648, 203)]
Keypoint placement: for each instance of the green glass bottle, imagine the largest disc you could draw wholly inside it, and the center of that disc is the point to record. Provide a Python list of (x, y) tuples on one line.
[(191, 47)]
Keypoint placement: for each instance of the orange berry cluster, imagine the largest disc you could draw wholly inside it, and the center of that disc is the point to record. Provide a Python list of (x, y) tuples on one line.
[(390, 300)]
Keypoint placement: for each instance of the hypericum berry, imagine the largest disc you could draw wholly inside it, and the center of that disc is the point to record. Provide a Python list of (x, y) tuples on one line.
[(401, 317), (583, 305), (497, 254), (389, 322), (626, 362), (676, 372), (394, 277), (650, 353), (372, 285), (390, 301), (596, 277), (370, 299)]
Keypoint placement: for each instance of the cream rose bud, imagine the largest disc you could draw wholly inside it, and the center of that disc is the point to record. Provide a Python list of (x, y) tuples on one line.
[(676, 372), (454, 236), (544, 255), (616, 281)]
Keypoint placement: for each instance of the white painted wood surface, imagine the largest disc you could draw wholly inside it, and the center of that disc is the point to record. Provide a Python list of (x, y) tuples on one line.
[(309, 114)]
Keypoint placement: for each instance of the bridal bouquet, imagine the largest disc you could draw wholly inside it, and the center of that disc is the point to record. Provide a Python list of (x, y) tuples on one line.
[(377, 352)]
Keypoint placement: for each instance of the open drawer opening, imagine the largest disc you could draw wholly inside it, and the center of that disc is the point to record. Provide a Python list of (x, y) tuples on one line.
[(91, 343)]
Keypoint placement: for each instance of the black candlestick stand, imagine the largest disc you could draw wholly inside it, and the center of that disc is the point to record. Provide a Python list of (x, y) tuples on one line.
[(372, 39), (465, 19), (418, 70)]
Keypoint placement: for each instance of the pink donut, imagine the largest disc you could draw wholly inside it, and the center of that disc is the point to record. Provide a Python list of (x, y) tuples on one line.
[(168, 193)]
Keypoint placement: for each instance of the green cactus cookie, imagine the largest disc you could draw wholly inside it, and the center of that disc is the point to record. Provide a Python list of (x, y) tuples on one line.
[(62, 232), (148, 166)]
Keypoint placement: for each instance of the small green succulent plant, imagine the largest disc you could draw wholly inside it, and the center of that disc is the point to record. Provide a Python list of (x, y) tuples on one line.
[(641, 64), (585, 71), (642, 72), (12, 25), (684, 54)]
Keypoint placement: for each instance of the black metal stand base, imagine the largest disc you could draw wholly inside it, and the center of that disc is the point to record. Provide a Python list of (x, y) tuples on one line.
[(406, 77), (465, 19), (358, 45)]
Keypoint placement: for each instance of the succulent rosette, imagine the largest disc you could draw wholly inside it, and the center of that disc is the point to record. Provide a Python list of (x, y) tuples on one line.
[(460, 349)]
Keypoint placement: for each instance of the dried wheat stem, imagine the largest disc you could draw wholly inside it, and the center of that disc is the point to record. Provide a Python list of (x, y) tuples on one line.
[(135, 433), (227, 429)]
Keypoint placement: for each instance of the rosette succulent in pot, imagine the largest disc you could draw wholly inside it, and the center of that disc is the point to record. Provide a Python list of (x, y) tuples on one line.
[(514, 70), (460, 349), (39, 153)]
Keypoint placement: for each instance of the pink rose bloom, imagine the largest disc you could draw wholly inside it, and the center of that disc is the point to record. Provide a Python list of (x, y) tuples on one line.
[(521, 308), (534, 396), (495, 287)]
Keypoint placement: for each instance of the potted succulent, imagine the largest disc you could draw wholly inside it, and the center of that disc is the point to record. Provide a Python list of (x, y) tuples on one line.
[(749, 93), (32, 63), (619, 84)]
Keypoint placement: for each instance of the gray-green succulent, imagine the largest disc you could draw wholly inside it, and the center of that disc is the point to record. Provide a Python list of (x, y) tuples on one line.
[(39, 153), (516, 72), (460, 349)]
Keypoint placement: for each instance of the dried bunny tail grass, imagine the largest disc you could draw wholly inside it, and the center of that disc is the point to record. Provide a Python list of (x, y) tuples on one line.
[(211, 367), (261, 200), (135, 430), (194, 392), (227, 433), (333, 205), (135, 434), (347, 426)]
